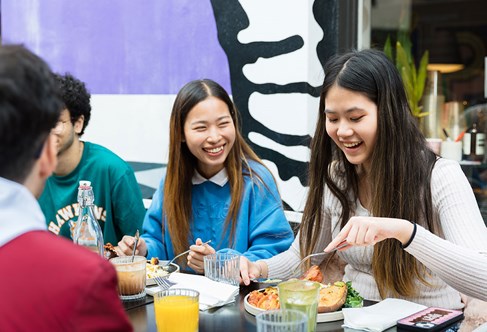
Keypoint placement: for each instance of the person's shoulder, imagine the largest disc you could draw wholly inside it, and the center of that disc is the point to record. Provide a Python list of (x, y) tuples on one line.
[(104, 156), (259, 168), (98, 149), (260, 177), (61, 252), (446, 165), (446, 169)]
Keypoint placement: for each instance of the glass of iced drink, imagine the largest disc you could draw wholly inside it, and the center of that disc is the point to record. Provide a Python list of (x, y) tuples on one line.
[(177, 310), (131, 276), (301, 295)]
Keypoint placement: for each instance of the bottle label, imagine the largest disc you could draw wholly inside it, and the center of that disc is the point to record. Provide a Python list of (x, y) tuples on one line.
[(466, 144), (480, 144)]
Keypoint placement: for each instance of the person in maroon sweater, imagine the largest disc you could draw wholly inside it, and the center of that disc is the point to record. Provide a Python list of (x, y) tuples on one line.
[(47, 283)]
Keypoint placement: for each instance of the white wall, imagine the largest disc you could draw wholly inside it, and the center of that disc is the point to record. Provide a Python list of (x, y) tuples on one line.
[(136, 127)]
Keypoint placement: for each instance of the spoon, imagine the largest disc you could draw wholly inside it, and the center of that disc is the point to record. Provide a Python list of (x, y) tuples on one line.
[(135, 244), (183, 253)]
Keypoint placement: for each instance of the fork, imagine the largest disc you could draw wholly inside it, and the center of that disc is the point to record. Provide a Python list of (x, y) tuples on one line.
[(163, 282), (339, 246), (135, 244), (183, 253)]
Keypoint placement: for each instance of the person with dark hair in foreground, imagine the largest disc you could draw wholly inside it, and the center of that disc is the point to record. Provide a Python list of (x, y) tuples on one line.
[(48, 283), (118, 199)]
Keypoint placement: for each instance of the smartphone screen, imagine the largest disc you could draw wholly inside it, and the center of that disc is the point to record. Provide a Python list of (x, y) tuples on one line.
[(431, 319)]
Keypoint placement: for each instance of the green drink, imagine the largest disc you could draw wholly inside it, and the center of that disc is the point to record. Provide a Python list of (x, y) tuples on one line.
[(301, 295)]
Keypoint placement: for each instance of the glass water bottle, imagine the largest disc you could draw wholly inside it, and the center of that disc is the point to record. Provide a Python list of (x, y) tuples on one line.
[(87, 232)]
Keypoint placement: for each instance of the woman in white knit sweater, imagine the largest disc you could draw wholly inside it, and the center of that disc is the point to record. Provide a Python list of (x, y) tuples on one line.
[(411, 221)]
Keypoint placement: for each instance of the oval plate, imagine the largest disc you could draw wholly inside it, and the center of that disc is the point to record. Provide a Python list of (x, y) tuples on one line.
[(172, 268), (320, 318)]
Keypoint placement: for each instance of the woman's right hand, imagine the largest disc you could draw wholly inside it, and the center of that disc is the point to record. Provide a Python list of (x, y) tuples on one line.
[(249, 270), (126, 246)]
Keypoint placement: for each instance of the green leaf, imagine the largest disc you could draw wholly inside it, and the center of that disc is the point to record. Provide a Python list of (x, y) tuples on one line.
[(402, 61), (403, 38), (422, 73), (388, 48), (353, 299), (408, 87), (414, 78), (414, 73)]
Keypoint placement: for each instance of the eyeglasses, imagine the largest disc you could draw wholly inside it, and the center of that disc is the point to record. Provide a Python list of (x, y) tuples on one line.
[(59, 128)]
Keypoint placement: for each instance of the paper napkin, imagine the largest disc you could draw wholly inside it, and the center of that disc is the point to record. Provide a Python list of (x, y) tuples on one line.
[(380, 316), (212, 293)]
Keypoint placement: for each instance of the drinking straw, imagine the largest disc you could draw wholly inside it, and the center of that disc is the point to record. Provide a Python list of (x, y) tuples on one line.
[(446, 134), (459, 137)]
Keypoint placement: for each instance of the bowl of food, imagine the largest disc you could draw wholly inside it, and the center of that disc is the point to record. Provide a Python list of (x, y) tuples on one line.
[(157, 268)]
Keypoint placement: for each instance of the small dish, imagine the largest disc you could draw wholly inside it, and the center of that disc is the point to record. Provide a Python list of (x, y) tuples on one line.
[(151, 269)]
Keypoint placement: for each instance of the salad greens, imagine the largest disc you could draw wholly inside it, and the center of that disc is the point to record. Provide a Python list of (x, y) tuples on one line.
[(354, 300)]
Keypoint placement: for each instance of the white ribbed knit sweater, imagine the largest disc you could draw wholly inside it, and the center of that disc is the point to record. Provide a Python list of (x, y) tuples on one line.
[(457, 263)]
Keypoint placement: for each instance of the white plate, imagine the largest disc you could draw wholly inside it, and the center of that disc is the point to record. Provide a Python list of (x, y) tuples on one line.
[(173, 267), (320, 318)]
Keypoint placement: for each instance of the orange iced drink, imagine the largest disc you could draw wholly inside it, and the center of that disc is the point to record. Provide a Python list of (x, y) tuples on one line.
[(176, 310)]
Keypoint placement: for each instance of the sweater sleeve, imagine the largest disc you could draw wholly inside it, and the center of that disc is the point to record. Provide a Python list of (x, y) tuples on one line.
[(460, 259), (269, 232), (283, 265), (152, 226)]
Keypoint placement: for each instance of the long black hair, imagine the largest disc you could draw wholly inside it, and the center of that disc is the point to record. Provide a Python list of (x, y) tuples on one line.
[(401, 166)]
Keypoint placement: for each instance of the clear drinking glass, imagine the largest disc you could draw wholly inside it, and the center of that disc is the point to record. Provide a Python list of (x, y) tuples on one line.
[(131, 276), (223, 267), (176, 310), (282, 321), (301, 295)]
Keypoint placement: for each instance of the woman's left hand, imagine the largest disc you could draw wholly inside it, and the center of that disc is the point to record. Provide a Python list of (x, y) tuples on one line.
[(196, 255), (367, 231)]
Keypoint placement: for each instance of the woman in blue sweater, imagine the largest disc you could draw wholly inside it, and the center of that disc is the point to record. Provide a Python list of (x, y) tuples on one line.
[(215, 188)]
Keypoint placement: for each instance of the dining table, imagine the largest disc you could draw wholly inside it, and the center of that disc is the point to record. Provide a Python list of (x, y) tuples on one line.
[(230, 317)]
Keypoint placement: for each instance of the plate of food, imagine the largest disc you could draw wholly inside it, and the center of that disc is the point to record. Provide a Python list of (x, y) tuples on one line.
[(157, 268), (268, 298), (332, 298)]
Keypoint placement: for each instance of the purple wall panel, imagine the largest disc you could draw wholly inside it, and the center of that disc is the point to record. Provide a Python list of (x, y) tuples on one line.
[(122, 46)]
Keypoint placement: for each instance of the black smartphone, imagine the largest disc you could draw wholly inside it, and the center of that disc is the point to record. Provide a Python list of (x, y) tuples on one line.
[(430, 319)]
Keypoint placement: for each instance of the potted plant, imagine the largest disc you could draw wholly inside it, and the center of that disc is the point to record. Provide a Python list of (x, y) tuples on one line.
[(414, 78)]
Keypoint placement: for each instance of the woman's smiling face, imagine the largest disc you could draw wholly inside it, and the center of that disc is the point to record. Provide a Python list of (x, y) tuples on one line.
[(351, 121), (209, 133)]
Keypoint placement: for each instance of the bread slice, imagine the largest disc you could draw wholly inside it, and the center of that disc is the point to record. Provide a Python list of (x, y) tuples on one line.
[(332, 297)]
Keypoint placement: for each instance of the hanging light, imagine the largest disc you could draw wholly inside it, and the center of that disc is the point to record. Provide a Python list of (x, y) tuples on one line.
[(444, 53)]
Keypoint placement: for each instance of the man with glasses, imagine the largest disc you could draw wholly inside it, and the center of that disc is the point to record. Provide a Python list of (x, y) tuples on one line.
[(47, 283), (118, 200)]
